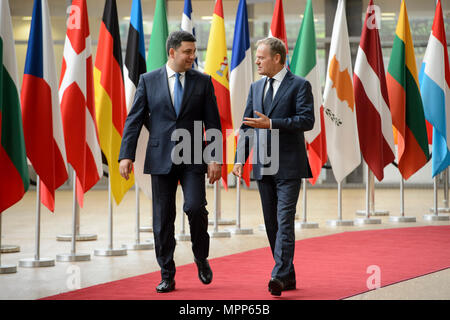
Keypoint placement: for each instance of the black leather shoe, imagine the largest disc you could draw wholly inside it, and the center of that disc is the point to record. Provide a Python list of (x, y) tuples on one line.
[(166, 285), (275, 286), (204, 271)]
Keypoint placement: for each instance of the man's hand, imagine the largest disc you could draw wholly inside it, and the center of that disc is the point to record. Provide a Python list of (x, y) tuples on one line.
[(263, 122), (125, 167), (214, 172), (237, 170)]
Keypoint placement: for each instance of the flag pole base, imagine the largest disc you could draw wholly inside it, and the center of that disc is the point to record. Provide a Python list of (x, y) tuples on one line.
[(183, 237), (145, 229), (8, 268), (307, 225), (9, 249), (223, 222), (340, 223), (434, 217), (367, 221), (441, 210), (73, 257), (241, 231), (220, 234), (78, 237), (402, 219), (138, 246), (36, 263), (377, 213), (110, 252)]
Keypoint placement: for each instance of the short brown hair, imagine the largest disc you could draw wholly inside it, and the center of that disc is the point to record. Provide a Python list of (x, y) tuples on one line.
[(276, 46)]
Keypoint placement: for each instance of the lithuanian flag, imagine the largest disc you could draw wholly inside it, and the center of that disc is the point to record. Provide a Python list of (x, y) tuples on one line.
[(406, 104), (111, 110), (217, 66)]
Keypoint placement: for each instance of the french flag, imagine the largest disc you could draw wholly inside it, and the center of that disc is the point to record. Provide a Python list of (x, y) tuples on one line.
[(434, 81), (187, 23), (41, 114), (241, 76)]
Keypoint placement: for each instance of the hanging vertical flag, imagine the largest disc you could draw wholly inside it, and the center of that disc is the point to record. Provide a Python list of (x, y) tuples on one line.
[(241, 75), (187, 24), (41, 113), (373, 113), (157, 53), (278, 27), (134, 66), (110, 105), (216, 65), (339, 105), (14, 179), (304, 64), (435, 87), (406, 103), (76, 93)]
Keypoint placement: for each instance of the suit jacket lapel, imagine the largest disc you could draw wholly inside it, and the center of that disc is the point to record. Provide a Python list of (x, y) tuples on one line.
[(188, 88), (259, 93), (165, 89), (281, 91)]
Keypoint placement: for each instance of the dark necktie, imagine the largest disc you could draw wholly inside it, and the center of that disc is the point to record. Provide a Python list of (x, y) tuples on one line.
[(267, 103), (177, 94)]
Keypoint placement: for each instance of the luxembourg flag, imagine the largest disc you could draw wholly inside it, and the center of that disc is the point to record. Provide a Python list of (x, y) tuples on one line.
[(241, 76), (41, 114), (187, 24), (434, 81)]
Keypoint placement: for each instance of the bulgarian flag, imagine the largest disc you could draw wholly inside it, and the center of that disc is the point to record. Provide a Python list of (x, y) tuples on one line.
[(216, 65), (371, 100), (406, 104), (304, 64), (111, 109), (14, 179)]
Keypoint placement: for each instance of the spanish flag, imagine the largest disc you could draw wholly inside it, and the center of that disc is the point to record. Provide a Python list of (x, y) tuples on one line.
[(408, 116), (217, 66), (111, 110)]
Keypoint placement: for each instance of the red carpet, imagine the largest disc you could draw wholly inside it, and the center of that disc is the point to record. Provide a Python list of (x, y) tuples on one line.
[(329, 267)]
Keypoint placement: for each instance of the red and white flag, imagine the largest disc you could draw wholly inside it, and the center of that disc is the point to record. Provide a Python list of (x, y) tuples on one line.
[(278, 27), (76, 93), (41, 114), (373, 113)]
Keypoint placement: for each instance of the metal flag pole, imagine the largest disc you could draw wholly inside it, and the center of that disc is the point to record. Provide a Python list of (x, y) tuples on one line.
[(220, 220), (373, 212), (304, 224), (5, 268), (238, 229), (216, 233), (144, 228), (445, 209), (73, 255), (110, 251), (138, 245), (37, 261), (339, 222), (7, 248), (183, 236), (402, 217), (370, 184), (436, 216)]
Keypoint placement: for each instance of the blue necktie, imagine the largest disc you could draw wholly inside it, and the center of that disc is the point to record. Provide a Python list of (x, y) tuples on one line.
[(177, 94)]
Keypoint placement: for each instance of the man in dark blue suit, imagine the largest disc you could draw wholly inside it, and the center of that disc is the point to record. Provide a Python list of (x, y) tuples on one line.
[(170, 100), (279, 109)]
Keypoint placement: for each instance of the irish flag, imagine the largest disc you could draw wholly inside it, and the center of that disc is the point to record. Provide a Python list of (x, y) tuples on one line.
[(217, 66), (406, 103), (339, 102), (110, 105), (14, 179), (371, 100), (304, 64)]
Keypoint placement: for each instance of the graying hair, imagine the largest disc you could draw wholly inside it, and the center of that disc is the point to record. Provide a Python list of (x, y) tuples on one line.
[(276, 46)]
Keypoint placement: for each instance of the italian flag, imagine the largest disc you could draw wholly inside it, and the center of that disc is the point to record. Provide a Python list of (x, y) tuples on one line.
[(304, 64), (406, 104), (14, 179)]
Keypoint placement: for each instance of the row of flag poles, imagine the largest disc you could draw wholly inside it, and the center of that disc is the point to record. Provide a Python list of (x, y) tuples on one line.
[(366, 113)]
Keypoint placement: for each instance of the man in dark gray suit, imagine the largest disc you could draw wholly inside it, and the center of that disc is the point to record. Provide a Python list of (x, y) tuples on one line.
[(170, 100), (279, 109)]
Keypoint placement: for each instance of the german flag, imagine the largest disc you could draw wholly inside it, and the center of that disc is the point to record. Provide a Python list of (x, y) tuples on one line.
[(111, 110), (408, 116)]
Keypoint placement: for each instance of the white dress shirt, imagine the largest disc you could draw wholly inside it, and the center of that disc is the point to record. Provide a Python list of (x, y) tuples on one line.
[(171, 79)]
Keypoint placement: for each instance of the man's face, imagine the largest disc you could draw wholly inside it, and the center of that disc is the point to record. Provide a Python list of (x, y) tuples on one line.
[(184, 56), (267, 65)]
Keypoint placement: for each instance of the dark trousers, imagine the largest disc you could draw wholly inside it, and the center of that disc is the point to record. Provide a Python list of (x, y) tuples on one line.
[(163, 192), (279, 200)]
